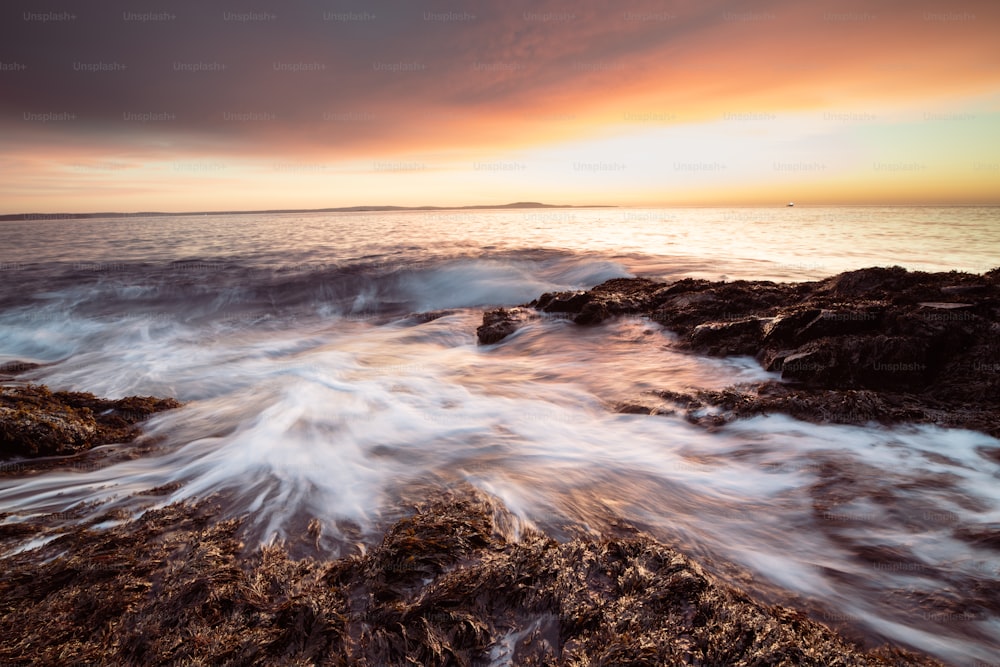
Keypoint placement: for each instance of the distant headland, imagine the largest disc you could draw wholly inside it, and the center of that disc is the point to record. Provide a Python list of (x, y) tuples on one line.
[(342, 209)]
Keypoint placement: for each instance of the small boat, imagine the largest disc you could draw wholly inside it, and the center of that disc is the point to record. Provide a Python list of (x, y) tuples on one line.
[(791, 203)]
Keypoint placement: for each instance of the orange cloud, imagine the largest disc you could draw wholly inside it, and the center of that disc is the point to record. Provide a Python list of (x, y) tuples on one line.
[(443, 86)]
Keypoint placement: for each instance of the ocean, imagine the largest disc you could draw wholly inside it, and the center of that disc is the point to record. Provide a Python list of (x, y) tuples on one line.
[(329, 368)]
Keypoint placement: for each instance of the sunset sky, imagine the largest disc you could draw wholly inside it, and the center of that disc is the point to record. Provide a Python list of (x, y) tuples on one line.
[(180, 105)]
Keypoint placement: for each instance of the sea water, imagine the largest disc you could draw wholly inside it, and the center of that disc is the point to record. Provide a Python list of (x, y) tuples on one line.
[(329, 369)]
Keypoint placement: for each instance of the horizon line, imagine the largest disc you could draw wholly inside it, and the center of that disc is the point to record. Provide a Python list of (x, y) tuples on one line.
[(377, 208), (9, 217)]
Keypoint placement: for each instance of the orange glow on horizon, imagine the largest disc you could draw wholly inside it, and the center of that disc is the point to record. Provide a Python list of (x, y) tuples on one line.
[(508, 110)]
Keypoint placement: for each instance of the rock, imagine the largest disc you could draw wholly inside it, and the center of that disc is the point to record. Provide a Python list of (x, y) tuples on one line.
[(686, 285), (11, 369), (447, 585), (963, 289), (804, 403), (785, 326), (866, 282), (879, 329), (805, 364), (938, 305), (682, 301), (562, 302), (728, 338), (623, 296), (502, 322), (840, 322), (594, 312), (618, 296), (55, 429), (37, 422), (633, 409)]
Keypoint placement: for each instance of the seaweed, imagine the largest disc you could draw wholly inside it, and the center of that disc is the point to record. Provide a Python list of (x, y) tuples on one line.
[(446, 586)]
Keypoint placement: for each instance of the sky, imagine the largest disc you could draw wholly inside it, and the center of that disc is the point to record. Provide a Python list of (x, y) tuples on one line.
[(177, 105)]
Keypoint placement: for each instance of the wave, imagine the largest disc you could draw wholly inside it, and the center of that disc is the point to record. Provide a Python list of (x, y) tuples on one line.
[(78, 306), (339, 424), (310, 393)]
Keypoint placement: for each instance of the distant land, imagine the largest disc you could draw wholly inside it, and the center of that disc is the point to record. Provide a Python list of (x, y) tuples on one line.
[(342, 209)]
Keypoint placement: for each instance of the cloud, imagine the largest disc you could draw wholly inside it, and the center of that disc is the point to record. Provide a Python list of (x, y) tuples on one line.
[(350, 80)]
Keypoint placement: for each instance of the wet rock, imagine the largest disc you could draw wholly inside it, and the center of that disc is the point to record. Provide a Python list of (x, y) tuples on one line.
[(448, 585), (930, 336), (819, 406), (806, 364), (49, 430), (964, 289), (783, 328), (941, 305), (562, 302), (728, 338), (11, 369), (500, 323), (841, 322), (429, 316), (986, 536), (875, 282), (37, 422), (618, 296)]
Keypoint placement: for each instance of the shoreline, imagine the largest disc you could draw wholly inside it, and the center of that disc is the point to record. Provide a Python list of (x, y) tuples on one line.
[(459, 580), (881, 345)]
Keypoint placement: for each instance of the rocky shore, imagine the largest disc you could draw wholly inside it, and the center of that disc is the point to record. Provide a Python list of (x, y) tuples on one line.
[(449, 585), (36, 423), (457, 582), (877, 344)]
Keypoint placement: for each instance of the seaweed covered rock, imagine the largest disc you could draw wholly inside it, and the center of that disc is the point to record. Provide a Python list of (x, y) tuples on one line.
[(618, 296), (37, 422), (885, 329), (891, 331), (449, 585)]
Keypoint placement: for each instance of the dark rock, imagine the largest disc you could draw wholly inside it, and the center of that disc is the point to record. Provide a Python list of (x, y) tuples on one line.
[(37, 422), (885, 330), (686, 285), (501, 322), (594, 312), (728, 338), (9, 370), (986, 536), (807, 364), (633, 409), (840, 322), (964, 289), (783, 328), (680, 301), (562, 302), (17, 367), (445, 587), (805, 403), (618, 296), (874, 282)]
